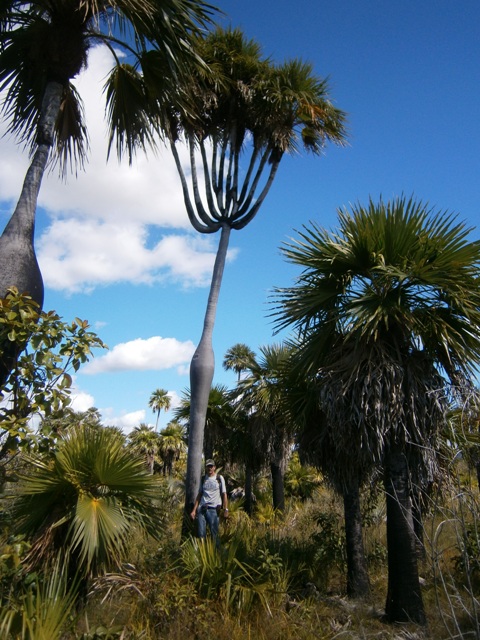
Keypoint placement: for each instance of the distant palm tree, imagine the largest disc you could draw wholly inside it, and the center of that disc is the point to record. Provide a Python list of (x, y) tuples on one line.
[(172, 445), (260, 393), (238, 358), (146, 442), (217, 419), (252, 111), (159, 401), (388, 314)]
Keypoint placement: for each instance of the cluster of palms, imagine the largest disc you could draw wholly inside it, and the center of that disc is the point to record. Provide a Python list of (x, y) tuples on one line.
[(216, 92), (386, 341), (162, 449)]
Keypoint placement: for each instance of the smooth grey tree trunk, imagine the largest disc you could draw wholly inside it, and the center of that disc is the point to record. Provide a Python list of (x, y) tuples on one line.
[(18, 262), (404, 597), (358, 582), (201, 377)]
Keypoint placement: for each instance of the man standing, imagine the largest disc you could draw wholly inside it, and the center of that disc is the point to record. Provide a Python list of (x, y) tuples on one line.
[(211, 498)]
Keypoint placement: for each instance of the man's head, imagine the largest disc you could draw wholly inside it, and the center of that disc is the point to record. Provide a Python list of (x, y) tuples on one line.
[(210, 466)]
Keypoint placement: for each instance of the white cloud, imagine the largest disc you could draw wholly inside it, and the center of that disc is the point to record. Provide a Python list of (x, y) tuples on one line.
[(126, 422), (81, 401), (77, 255), (155, 353), (174, 399), (148, 191)]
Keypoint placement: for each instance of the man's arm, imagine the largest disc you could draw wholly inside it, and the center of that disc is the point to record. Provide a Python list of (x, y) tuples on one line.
[(195, 506)]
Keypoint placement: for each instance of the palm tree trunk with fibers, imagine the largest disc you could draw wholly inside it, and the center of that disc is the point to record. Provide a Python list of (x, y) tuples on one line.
[(18, 262), (277, 470), (248, 490), (201, 377)]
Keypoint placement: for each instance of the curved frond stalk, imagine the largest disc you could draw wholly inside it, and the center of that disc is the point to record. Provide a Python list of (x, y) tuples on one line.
[(209, 184)]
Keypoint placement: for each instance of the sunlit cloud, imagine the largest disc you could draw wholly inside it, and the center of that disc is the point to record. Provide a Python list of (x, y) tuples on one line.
[(126, 421), (155, 353), (81, 401), (78, 255)]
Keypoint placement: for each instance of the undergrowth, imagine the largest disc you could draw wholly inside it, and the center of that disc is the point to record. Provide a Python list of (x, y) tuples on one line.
[(276, 578)]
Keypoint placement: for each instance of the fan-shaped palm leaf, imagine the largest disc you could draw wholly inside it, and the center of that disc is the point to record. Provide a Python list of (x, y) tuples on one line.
[(86, 499)]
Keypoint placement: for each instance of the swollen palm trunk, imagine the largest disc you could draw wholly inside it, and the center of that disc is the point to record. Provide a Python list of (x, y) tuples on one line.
[(18, 262), (201, 376)]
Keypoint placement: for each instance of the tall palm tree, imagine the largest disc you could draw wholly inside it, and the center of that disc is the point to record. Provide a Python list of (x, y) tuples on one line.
[(325, 438), (391, 301), (159, 401), (44, 44), (146, 442), (242, 123), (85, 501), (238, 358)]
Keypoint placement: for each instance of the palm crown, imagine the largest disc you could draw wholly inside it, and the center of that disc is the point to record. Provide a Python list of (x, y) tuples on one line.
[(43, 42), (247, 103), (393, 274)]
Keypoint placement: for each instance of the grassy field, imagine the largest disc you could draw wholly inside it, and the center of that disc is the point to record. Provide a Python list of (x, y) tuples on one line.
[(283, 576), (275, 577)]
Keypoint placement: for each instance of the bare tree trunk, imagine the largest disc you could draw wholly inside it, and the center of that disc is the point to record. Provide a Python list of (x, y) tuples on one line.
[(201, 376), (18, 262), (358, 582), (404, 597)]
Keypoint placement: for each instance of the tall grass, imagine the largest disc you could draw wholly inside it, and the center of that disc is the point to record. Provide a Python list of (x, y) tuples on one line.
[(41, 608), (280, 577), (455, 564)]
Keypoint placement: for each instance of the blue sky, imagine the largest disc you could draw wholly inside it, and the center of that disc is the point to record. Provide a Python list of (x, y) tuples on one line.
[(115, 245)]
